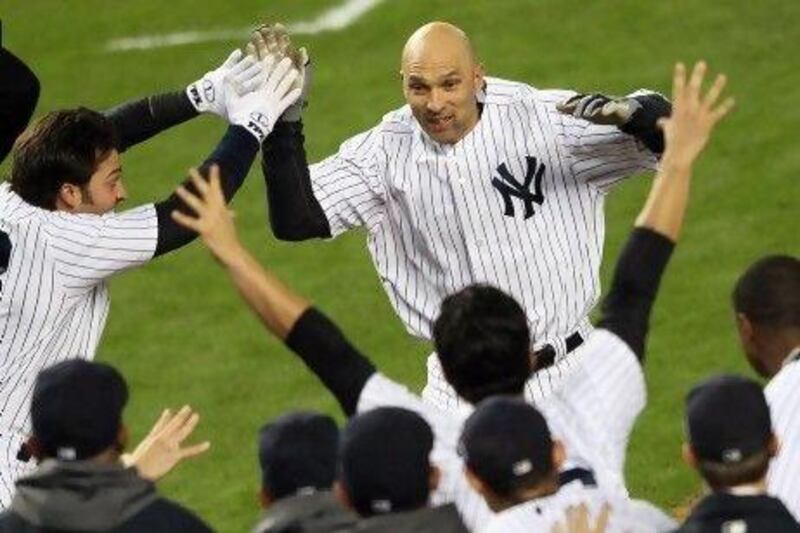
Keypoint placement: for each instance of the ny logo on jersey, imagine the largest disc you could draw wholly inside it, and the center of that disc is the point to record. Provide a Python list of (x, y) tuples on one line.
[(508, 187)]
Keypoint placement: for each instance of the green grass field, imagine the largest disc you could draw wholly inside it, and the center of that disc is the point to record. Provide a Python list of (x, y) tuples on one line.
[(179, 332)]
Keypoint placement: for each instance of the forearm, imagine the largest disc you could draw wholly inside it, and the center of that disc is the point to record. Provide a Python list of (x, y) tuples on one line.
[(294, 212), (664, 209), (234, 155), (139, 120), (276, 305), (306, 331)]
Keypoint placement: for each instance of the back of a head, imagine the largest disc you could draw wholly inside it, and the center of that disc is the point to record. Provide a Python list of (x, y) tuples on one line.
[(384, 461), (60, 147), (76, 409), (507, 444), (729, 430), (768, 293), (482, 340), (297, 453)]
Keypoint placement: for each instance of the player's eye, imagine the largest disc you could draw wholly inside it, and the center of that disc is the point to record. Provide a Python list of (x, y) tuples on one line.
[(451, 84)]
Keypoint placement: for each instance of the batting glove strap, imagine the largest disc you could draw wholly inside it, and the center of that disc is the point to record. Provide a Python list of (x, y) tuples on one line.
[(643, 122), (295, 111)]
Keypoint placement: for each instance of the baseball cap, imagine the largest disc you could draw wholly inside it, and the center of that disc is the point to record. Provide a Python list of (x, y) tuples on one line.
[(297, 453), (727, 419), (506, 442), (384, 461), (76, 409)]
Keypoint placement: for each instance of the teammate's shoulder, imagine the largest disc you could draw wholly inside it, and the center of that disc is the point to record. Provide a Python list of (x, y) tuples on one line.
[(784, 384), (506, 92)]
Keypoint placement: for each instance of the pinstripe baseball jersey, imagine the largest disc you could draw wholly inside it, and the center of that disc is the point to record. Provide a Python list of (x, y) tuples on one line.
[(541, 514), (517, 203), (53, 296), (592, 412), (783, 478)]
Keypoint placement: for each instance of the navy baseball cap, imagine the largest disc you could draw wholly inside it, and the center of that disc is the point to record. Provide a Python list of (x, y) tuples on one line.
[(506, 443), (76, 409), (384, 461), (727, 419), (297, 453)]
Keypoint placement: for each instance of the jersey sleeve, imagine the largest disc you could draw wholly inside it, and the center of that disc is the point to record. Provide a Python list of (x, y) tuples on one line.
[(349, 184), (90, 248), (599, 155)]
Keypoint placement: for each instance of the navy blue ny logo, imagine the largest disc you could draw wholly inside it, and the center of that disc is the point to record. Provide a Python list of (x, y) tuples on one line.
[(508, 187)]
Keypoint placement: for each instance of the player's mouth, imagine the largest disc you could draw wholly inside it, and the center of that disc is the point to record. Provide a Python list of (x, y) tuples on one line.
[(439, 124)]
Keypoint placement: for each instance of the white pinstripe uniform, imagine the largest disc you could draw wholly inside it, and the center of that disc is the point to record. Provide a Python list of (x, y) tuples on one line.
[(783, 478), (592, 412), (54, 301), (438, 221), (626, 516)]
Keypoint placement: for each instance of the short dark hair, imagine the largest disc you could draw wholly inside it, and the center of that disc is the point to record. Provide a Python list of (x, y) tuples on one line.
[(61, 147), (720, 476), (768, 293), (483, 342)]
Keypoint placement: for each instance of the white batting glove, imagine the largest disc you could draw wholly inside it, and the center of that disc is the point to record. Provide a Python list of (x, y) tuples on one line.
[(213, 92), (257, 111)]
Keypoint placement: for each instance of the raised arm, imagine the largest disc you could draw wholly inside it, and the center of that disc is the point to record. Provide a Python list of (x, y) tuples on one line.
[(140, 120), (626, 309), (288, 316), (252, 116)]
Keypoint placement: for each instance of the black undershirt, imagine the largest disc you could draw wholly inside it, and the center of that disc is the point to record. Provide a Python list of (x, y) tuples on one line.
[(140, 120), (19, 92)]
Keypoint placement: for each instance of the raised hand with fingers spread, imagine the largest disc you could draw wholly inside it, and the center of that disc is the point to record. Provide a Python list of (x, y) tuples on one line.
[(214, 92), (162, 449)]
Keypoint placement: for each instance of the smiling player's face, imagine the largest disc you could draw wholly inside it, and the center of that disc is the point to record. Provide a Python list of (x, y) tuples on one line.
[(440, 82), (105, 189)]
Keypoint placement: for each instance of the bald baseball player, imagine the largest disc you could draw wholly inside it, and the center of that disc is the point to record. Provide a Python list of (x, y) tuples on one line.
[(61, 237), (766, 301), (475, 180), (481, 334)]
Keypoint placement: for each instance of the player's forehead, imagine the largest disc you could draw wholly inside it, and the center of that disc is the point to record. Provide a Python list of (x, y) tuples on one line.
[(437, 50), (108, 163)]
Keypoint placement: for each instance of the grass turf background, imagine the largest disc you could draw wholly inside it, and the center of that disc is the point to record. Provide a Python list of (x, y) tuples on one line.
[(179, 332)]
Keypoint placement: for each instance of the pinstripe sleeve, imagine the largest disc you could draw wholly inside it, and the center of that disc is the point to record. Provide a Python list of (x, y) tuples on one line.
[(91, 248), (598, 154), (349, 184)]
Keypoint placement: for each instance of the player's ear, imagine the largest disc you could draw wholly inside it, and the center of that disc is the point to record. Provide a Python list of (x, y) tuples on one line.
[(69, 197), (264, 498), (559, 455), (123, 437), (475, 482), (744, 326), (687, 453), (479, 75), (340, 493), (434, 477), (773, 445)]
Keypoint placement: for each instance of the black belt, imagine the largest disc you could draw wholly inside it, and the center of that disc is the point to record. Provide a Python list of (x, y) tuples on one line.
[(577, 474), (546, 356)]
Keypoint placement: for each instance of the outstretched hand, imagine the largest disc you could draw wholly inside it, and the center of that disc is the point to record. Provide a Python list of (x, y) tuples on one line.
[(694, 115), (162, 449), (577, 520), (213, 220)]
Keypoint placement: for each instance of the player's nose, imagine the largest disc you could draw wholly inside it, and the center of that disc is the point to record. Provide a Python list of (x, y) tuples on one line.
[(435, 101), (122, 193)]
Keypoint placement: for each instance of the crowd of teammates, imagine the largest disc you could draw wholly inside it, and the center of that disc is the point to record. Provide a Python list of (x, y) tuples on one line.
[(525, 422)]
